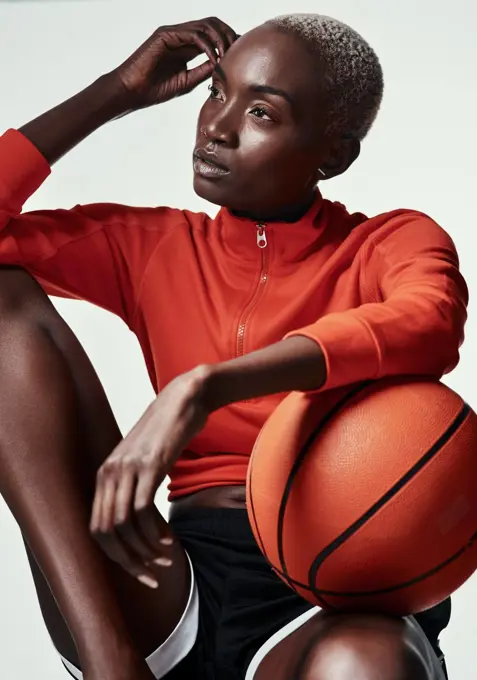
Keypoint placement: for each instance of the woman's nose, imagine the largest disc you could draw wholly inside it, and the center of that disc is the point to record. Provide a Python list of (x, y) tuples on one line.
[(220, 130)]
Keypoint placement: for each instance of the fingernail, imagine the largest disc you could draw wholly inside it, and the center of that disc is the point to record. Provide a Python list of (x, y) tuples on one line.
[(166, 540), (148, 581), (163, 562)]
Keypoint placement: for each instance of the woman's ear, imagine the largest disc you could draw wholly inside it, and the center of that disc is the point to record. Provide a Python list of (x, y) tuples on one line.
[(342, 155)]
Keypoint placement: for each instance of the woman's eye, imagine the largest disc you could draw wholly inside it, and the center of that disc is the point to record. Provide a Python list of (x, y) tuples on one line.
[(260, 112)]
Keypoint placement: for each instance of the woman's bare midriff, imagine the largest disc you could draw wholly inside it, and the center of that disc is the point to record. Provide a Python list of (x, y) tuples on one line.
[(215, 497)]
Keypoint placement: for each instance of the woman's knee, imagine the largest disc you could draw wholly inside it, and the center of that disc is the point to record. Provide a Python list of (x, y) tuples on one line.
[(362, 648), (21, 295), (26, 317), (351, 647)]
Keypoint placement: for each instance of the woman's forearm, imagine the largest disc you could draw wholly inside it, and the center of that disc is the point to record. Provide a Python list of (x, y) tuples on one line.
[(57, 131), (296, 363)]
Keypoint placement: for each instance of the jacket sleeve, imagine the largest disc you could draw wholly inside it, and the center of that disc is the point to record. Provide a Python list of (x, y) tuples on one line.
[(93, 253), (416, 325)]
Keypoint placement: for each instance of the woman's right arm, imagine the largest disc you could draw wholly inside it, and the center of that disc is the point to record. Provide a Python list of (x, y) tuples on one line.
[(59, 130), (86, 252)]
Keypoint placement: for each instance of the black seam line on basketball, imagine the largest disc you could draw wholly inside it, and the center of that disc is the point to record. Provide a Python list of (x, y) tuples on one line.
[(296, 466), (324, 554), (406, 584), (390, 589), (291, 580), (293, 472)]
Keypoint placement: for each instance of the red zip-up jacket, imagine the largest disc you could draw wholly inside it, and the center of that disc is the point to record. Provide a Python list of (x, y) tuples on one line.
[(382, 296)]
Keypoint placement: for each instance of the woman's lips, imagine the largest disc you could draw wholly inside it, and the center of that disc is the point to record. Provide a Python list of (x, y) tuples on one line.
[(207, 166)]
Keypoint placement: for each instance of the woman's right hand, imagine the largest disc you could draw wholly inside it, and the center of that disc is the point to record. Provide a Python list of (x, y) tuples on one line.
[(157, 71)]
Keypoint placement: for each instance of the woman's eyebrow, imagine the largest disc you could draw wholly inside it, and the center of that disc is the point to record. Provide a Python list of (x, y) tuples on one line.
[(265, 89)]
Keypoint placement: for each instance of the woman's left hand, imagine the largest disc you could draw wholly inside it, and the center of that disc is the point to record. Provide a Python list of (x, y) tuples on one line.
[(125, 521)]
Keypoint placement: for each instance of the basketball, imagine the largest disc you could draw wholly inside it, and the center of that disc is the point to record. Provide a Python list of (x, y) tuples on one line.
[(373, 507)]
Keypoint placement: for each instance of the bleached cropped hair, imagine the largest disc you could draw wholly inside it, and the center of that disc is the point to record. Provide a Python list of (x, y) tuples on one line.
[(354, 77)]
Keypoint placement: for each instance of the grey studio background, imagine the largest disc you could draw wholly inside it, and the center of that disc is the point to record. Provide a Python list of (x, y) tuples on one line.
[(421, 154)]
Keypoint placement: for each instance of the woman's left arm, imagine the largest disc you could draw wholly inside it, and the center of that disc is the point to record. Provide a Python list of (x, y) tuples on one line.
[(415, 327)]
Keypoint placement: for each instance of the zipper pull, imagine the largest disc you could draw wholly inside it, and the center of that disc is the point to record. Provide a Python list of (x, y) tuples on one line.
[(261, 236)]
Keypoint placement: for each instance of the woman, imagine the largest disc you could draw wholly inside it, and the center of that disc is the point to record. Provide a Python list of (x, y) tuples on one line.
[(282, 291)]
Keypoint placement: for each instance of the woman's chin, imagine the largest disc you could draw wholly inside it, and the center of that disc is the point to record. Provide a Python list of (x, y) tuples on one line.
[(210, 190)]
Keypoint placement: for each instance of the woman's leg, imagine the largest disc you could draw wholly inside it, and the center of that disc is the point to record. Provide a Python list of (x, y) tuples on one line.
[(56, 429), (352, 647)]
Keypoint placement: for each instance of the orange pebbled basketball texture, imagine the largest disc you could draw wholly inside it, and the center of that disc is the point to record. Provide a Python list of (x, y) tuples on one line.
[(374, 509)]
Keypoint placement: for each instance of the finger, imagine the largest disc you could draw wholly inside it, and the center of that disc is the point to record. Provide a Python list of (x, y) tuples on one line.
[(213, 30), (229, 35), (123, 497), (103, 531), (102, 527), (197, 75), (198, 38), (127, 528), (97, 511), (106, 491), (152, 525), (117, 552)]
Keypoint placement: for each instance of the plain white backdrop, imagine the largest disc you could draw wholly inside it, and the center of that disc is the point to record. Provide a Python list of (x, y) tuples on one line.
[(421, 154)]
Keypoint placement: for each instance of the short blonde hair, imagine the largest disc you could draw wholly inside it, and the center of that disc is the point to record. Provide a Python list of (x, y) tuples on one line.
[(354, 75)]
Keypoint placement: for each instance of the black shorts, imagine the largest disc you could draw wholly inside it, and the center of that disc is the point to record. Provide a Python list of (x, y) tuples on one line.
[(242, 603)]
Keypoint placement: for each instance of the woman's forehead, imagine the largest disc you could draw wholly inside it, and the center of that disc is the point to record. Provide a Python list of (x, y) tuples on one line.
[(266, 56)]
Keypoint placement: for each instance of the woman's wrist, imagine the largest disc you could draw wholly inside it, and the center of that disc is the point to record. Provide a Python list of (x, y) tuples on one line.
[(57, 131)]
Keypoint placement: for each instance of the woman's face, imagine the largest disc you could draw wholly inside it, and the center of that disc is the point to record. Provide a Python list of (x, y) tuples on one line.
[(263, 123)]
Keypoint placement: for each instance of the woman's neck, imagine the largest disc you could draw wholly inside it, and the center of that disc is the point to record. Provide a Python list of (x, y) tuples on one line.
[(292, 213)]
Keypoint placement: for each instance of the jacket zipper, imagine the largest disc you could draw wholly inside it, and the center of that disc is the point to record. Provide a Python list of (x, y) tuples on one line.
[(262, 244)]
